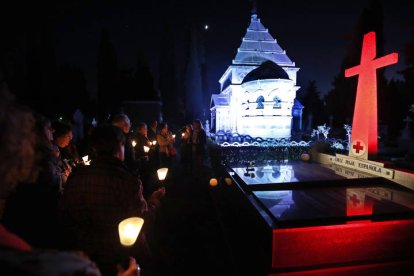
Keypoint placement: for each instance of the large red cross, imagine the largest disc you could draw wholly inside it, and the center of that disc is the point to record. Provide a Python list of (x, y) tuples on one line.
[(358, 147), (364, 125)]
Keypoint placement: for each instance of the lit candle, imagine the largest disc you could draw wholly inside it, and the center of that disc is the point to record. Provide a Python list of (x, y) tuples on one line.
[(134, 143), (85, 160), (129, 230), (162, 173), (146, 149)]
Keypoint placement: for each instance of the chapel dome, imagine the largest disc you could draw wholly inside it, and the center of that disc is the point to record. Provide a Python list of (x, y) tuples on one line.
[(267, 70)]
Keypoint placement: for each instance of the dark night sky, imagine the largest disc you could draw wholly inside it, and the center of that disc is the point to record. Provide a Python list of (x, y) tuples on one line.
[(314, 33)]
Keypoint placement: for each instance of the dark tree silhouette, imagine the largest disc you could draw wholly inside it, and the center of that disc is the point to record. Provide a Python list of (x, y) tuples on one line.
[(193, 79), (313, 104), (340, 100), (108, 77), (145, 82), (172, 102), (71, 92)]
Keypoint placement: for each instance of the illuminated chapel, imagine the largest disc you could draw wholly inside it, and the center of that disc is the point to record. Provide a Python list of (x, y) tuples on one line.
[(258, 90)]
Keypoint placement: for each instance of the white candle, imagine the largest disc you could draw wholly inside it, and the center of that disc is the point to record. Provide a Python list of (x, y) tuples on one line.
[(129, 230), (162, 173)]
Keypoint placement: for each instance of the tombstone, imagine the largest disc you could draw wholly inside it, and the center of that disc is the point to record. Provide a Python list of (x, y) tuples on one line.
[(94, 122), (207, 128), (78, 130)]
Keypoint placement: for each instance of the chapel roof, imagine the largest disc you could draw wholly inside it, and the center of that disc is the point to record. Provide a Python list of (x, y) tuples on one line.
[(267, 70), (258, 46), (219, 100)]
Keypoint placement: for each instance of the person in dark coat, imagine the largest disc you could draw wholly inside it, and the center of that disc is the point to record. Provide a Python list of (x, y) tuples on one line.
[(142, 155), (198, 141), (122, 122), (98, 197)]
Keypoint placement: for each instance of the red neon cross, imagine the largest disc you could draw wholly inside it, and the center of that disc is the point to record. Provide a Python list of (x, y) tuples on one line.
[(354, 200), (364, 125), (357, 147)]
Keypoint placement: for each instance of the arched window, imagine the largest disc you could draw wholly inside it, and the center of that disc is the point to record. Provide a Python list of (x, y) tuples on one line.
[(278, 102), (259, 102)]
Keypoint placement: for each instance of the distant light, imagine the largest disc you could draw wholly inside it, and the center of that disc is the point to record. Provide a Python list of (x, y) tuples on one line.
[(206, 27), (213, 182)]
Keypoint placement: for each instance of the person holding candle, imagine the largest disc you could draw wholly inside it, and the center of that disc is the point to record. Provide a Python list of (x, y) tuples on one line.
[(99, 196), (186, 147), (165, 141), (123, 122), (142, 154), (18, 164), (198, 140)]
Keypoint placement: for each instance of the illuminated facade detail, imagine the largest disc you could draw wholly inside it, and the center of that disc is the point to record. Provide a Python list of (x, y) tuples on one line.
[(364, 125), (258, 90)]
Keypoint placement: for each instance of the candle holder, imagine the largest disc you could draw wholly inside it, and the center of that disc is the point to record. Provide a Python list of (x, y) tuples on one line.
[(162, 173), (129, 230)]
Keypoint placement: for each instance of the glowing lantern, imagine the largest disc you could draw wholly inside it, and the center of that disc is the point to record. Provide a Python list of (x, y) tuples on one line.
[(162, 173), (134, 143), (146, 149), (305, 157), (129, 230), (213, 182), (182, 134), (228, 181), (154, 143)]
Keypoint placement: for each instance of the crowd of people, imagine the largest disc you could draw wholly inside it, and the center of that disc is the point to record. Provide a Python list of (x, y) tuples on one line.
[(51, 198)]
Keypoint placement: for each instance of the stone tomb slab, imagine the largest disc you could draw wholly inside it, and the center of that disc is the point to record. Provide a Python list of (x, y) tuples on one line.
[(313, 217)]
